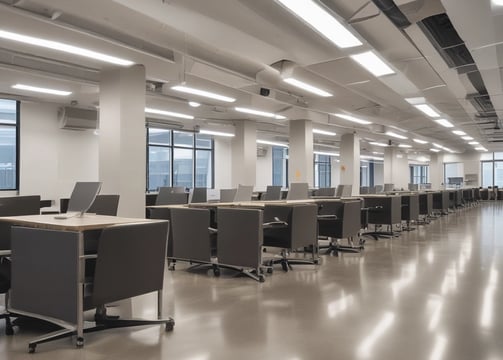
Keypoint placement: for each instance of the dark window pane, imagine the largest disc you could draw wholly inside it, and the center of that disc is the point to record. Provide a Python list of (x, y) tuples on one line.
[(204, 141), (159, 136), (203, 169), (183, 167), (8, 112), (279, 166), (184, 139)]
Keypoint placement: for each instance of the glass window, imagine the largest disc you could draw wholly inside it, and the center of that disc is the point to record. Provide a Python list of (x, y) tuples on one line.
[(183, 167), (8, 144), (419, 174), (204, 171), (159, 167), (452, 173), (322, 171), (280, 166), (498, 173), (498, 156), (487, 173), (364, 173), (184, 139), (173, 160)]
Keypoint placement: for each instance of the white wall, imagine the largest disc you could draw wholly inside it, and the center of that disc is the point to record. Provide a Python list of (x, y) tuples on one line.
[(470, 161), (53, 159), (223, 163), (264, 170)]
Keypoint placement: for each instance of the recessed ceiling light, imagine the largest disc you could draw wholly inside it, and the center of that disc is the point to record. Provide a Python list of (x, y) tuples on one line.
[(168, 113), (416, 100), (395, 135), (41, 90), (419, 141), (216, 133), (70, 49), (378, 144), (458, 132), (444, 122), (353, 119), (407, 146), (467, 138), (324, 132), (434, 150), (259, 113), (194, 104), (304, 86), (373, 63), (322, 21), (427, 109), (266, 142), (199, 92)]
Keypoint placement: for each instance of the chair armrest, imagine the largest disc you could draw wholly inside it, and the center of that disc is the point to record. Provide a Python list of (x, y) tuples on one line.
[(90, 256), (5, 253), (275, 224), (327, 217), (212, 230)]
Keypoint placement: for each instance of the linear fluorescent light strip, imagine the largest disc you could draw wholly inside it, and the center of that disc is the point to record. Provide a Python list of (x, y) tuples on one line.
[(370, 61), (428, 110), (259, 113), (266, 142), (434, 150), (324, 132), (70, 49), (444, 122), (325, 153), (378, 144), (204, 93), (407, 146), (419, 141), (395, 135), (458, 132), (353, 119), (304, 86), (481, 148), (322, 21), (215, 133), (168, 113), (437, 145), (467, 138), (416, 100), (474, 143), (41, 90)]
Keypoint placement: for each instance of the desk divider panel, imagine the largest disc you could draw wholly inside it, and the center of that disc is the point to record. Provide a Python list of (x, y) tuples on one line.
[(45, 268)]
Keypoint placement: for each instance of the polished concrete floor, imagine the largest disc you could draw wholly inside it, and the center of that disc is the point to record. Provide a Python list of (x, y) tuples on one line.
[(433, 293)]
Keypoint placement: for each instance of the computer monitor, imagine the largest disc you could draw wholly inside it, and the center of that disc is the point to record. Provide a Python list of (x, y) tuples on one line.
[(83, 196)]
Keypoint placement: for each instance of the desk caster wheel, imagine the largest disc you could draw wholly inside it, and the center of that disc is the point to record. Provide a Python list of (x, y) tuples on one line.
[(31, 348), (80, 342)]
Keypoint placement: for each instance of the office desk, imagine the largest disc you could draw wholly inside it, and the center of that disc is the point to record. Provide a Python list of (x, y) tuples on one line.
[(48, 266)]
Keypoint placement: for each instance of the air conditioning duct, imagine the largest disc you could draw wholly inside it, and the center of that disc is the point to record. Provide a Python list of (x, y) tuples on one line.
[(72, 118)]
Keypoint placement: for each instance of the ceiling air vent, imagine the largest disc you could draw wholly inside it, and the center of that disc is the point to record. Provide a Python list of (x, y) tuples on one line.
[(394, 14), (483, 104), (442, 34), (72, 118)]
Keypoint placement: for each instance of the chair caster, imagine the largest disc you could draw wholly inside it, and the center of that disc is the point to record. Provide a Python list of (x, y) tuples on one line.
[(261, 278), (284, 266), (216, 271), (169, 326), (31, 348), (9, 331), (171, 268), (80, 342)]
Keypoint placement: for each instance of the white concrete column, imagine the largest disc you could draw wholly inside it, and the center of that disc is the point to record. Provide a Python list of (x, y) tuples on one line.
[(350, 162), (122, 143), (300, 153), (436, 171), (396, 168), (244, 153)]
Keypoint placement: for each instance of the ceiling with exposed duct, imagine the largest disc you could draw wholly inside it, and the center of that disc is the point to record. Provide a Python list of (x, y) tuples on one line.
[(246, 49)]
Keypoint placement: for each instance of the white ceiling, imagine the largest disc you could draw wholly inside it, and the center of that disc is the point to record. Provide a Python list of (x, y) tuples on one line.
[(237, 47)]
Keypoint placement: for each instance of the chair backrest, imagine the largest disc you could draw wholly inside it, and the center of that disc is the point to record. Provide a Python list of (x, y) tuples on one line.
[(245, 225), (171, 196), (338, 192), (199, 195), (227, 195), (191, 238), (83, 195), (130, 261), (388, 187), (105, 205), (347, 190), (413, 187), (272, 192), (16, 206), (244, 193), (298, 191), (364, 190), (329, 191), (379, 189)]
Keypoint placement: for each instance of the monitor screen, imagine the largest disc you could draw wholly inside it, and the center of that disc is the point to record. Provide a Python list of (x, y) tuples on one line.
[(83, 196)]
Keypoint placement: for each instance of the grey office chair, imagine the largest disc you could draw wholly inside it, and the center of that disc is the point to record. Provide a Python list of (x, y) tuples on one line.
[(347, 190), (227, 195), (243, 193), (105, 205), (12, 206), (129, 262), (388, 187), (298, 191), (199, 195), (171, 196), (330, 191), (300, 231), (364, 190), (272, 193)]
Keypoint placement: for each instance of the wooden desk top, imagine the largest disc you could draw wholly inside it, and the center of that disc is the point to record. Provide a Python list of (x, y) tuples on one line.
[(86, 222)]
